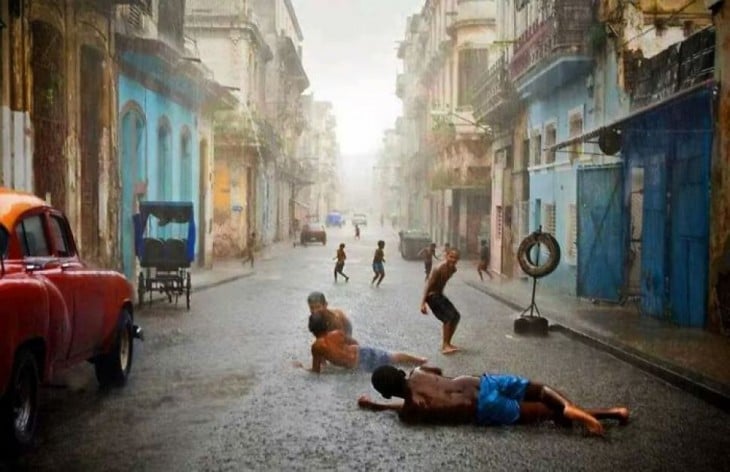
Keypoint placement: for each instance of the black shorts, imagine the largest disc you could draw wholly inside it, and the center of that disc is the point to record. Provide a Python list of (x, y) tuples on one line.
[(442, 308), (339, 266), (427, 266)]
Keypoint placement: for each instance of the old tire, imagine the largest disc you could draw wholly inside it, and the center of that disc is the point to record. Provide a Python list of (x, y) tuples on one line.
[(532, 242), (112, 368), (534, 325), (19, 406)]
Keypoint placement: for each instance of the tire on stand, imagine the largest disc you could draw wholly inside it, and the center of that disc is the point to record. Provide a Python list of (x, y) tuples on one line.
[(533, 241), (19, 406), (113, 368)]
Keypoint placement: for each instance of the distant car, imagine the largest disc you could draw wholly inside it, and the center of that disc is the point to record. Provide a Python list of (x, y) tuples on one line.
[(334, 218), (57, 312), (313, 232), (360, 219)]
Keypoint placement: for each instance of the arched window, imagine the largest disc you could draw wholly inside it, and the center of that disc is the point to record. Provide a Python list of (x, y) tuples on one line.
[(164, 161), (186, 166)]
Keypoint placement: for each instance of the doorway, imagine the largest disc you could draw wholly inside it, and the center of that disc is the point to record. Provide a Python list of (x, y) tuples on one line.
[(49, 113)]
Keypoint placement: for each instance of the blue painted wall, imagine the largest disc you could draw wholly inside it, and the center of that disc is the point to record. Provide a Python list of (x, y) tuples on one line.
[(556, 184), (156, 109)]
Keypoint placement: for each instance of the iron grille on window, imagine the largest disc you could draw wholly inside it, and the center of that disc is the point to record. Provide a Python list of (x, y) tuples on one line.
[(548, 224), (572, 232)]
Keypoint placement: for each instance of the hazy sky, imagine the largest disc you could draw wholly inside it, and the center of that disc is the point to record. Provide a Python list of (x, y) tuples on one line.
[(349, 54)]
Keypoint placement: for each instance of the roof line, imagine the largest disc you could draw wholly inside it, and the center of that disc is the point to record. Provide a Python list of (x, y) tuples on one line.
[(294, 19)]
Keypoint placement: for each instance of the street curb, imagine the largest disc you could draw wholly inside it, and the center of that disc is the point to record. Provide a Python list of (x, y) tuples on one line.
[(199, 288), (687, 380), (691, 382)]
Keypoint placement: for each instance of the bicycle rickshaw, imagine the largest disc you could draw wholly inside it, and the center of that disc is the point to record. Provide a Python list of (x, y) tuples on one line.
[(165, 247)]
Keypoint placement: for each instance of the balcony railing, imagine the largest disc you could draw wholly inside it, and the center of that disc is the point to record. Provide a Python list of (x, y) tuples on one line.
[(564, 31), (492, 92), (678, 67)]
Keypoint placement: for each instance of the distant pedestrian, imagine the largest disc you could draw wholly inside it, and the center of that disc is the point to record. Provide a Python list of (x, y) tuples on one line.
[(357, 231), (340, 264), (442, 308), (484, 260), (428, 254), (379, 264), (250, 245), (447, 247)]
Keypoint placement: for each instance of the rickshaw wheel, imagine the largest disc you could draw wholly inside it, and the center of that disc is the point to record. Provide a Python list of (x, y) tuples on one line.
[(187, 289), (140, 289)]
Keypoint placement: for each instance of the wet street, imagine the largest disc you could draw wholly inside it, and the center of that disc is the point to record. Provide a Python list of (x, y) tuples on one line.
[(214, 388)]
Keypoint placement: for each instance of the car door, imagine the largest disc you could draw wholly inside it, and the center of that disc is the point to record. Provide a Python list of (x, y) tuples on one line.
[(40, 263), (88, 317)]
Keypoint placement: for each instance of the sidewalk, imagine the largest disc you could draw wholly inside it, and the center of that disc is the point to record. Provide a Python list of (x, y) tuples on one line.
[(692, 359)]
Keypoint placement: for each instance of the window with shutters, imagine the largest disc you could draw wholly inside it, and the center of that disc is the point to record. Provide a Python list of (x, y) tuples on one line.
[(536, 155), (550, 139), (472, 62), (575, 129), (548, 214)]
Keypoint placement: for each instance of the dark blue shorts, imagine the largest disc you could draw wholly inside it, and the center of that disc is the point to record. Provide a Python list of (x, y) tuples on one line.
[(442, 308), (378, 267), (499, 399)]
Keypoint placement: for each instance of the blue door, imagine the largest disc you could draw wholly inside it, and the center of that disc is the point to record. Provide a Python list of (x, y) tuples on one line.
[(690, 234), (600, 233), (653, 263)]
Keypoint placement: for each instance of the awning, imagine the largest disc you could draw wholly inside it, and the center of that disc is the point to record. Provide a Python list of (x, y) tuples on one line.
[(597, 131)]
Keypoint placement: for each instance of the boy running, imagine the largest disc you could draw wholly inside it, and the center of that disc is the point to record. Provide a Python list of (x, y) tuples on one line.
[(484, 260), (340, 264), (378, 264)]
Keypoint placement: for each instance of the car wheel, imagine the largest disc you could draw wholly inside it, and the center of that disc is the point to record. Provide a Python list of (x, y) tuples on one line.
[(112, 368), (19, 406)]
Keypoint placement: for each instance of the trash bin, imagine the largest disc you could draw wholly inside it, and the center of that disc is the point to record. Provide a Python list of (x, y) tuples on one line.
[(411, 242)]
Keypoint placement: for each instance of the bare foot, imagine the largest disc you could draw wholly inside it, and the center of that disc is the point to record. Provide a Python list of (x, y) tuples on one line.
[(450, 350), (592, 425), (623, 414)]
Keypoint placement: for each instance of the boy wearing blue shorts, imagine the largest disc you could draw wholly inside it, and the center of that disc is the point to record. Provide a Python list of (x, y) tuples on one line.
[(335, 347), (379, 264), (490, 399)]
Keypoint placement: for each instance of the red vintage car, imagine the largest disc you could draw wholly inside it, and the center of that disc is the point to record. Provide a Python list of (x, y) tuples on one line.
[(55, 312)]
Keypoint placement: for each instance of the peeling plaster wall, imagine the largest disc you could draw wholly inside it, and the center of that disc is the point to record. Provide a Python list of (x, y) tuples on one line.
[(79, 25), (720, 211)]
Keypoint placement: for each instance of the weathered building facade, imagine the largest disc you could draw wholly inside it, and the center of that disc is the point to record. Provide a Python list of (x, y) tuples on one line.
[(59, 120), (446, 46), (719, 270), (164, 142)]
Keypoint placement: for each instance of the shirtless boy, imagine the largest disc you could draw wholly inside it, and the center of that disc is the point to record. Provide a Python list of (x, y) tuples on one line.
[(429, 254), (341, 350), (442, 308), (491, 399), (334, 317), (340, 264), (379, 264)]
